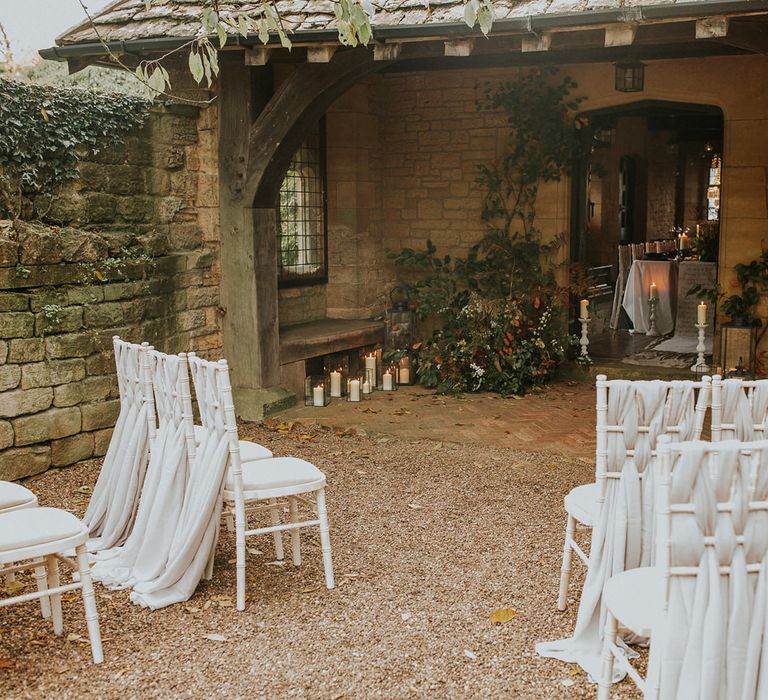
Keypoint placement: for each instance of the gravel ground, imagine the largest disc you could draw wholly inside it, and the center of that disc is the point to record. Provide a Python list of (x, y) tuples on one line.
[(428, 540)]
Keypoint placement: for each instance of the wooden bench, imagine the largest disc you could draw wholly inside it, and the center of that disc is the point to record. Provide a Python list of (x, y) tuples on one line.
[(300, 342)]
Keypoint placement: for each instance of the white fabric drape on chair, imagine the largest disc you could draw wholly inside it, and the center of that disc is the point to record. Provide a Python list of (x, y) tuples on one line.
[(145, 552), (638, 412), (714, 644), (197, 526), (743, 410), (111, 510)]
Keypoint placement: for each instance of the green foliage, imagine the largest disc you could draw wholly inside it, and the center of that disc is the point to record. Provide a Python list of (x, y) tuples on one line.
[(752, 282), (46, 131), (500, 312)]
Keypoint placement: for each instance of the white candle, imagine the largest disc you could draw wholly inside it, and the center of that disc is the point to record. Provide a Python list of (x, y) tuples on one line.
[(366, 387), (584, 308), (405, 375), (317, 396), (702, 313), (387, 381), (683, 242), (370, 363), (654, 292), (336, 384), (354, 390)]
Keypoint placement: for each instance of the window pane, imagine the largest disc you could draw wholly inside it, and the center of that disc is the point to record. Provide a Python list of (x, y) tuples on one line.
[(301, 226)]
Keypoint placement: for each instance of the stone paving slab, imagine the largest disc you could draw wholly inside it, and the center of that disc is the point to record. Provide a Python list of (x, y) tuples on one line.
[(559, 419)]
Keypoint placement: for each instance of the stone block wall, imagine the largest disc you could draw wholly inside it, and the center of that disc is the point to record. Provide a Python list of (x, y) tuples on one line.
[(135, 254)]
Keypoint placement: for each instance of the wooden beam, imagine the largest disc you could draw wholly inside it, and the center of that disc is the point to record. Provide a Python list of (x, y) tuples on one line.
[(711, 27), (746, 35), (534, 42), (320, 54), (620, 35), (459, 47), (386, 52), (257, 56)]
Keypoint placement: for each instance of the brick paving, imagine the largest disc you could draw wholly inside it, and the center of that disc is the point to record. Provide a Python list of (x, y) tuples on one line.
[(559, 418)]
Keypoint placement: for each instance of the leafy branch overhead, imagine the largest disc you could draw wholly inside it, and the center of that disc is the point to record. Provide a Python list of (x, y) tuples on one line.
[(353, 24)]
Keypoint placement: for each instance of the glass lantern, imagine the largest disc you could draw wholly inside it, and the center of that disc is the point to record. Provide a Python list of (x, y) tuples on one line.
[(389, 377), (337, 370), (356, 383), (316, 391), (371, 364), (406, 371), (737, 348), (399, 325)]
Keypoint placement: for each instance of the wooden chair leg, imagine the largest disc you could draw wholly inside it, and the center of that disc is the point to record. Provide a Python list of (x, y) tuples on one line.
[(278, 536), (565, 569), (325, 539), (41, 577), (295, 534), (52, 581), (240, 555), (606, 677), (89, 601)]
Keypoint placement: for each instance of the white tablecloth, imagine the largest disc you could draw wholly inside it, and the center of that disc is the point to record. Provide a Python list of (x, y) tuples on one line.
[(636, 294)]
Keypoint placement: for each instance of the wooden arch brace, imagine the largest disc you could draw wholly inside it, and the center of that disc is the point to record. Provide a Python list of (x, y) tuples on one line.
[(258, 135)]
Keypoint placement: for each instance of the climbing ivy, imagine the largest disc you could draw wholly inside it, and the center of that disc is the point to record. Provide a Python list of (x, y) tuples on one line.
[(47, 130)]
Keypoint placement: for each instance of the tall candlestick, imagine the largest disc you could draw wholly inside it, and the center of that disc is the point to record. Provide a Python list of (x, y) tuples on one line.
[(584, 308), (701, 366), (701, 311), (336, 384)]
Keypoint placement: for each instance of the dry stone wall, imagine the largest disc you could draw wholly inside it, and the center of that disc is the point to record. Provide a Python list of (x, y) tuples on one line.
[(129, 249)]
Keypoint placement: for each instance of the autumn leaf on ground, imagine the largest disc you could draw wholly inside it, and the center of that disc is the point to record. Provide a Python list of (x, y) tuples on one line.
[(6, 663), (85, 490), (14, 587), (502, 615)]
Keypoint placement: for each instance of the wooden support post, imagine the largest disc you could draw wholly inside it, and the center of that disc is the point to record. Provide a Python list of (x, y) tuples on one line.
[(320, 54), (386, 52), (535, 42), (459, 47), (257, 56), (620, 35), (711, 27)]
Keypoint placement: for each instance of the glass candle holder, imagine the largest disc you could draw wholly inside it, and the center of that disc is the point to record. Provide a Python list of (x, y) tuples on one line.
[(389, 377), (355, 387), (316, 391), (405, 370)]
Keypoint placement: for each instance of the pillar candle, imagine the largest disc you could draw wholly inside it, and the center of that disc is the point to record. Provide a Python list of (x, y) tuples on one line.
[(405, 375), (370, 363), (387, 381), (654, 293), (317, 396), (336, 384), (354, 390), (584, 308), (367, 387), (702, 313)]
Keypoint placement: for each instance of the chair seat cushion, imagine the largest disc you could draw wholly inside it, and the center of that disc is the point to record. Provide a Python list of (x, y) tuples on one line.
[(15, 495), (249, 451), (636, 599), (581, 503), (35, 526), (276, 473)]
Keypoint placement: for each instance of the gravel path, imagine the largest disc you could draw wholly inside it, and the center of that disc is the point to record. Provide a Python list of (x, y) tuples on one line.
[(428, 540)]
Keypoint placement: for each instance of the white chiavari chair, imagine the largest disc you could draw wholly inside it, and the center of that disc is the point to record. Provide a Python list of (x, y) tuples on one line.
[(29, 535), (263, 485), (629, 433), (115, 498), (704, 603), (739, 409)]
